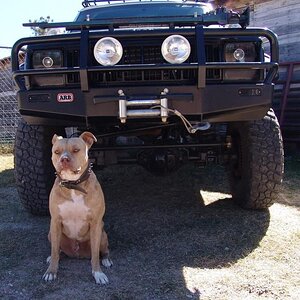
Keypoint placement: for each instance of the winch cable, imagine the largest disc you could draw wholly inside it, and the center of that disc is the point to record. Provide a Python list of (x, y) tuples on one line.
[(189, 127)]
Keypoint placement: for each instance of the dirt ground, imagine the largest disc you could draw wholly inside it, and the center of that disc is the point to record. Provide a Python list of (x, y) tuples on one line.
[(173, 237)]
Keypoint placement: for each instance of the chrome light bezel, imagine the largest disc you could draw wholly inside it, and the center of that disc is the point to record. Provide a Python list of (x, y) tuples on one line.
[(47, 62), (100, 56), (166, 49)]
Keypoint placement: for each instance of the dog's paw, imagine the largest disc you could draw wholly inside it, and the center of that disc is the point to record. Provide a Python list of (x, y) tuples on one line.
[(100, 277), (49, 276), (106, 262)]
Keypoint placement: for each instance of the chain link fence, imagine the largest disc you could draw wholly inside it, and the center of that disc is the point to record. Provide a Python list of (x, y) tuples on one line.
[(9, 115)]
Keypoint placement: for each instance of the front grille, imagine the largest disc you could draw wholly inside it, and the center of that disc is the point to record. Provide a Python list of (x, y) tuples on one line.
[(72, 57), (142, 76), (143, 54), (212, 52)]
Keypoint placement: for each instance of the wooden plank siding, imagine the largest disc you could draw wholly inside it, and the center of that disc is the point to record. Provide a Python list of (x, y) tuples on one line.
[(281, 16)]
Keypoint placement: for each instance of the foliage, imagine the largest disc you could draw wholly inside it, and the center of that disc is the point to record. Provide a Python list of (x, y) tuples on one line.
[(40, 31)]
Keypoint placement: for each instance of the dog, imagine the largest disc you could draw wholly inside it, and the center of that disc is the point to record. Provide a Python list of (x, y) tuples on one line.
[(77, 206)]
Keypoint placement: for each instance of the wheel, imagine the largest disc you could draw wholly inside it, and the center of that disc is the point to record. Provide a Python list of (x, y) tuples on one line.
[(257, 170), (34, 172)]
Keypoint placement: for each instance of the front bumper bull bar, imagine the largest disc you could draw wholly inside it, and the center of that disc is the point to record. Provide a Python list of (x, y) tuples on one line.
[(95, 102), (201, 66)]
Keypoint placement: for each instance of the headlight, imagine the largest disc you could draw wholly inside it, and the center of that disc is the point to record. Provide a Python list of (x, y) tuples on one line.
[(176, 49), (47, 62), (108, 51), (240, 52), (47, 59)]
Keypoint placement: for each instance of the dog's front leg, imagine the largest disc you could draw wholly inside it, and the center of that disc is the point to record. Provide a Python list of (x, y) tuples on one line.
[(95, 237), (55, 236)]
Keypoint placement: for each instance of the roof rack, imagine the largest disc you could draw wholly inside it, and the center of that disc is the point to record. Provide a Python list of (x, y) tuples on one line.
[(87, 3)]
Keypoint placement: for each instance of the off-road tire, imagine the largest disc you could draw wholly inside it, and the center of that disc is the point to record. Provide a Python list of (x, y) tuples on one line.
[(34, 172), (257, 170)]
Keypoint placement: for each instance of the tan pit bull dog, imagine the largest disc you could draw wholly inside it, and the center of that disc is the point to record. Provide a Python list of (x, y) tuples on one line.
[(77, 207)]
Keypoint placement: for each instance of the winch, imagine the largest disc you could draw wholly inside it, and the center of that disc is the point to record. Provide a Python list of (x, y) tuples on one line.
[(141, 108)]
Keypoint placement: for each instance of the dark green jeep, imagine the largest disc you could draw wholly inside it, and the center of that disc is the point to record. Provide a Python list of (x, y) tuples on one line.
[(160, 83)]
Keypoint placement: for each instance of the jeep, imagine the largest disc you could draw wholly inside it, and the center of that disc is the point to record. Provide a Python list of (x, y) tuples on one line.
[(160, 83)]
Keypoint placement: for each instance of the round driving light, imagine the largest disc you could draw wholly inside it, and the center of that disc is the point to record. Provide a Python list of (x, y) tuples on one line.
[(239, 54), (108, 51), (176, 49), (47, 62)]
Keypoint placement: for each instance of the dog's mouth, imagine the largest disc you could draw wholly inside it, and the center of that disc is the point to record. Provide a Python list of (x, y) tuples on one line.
[(77, 171), (69, 174)]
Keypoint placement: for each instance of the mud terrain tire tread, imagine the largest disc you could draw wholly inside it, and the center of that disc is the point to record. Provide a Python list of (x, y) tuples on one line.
[(261, 162), (34, 172)]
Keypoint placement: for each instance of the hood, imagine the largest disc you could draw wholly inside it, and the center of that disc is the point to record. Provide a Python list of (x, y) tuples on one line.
[(134, 9)]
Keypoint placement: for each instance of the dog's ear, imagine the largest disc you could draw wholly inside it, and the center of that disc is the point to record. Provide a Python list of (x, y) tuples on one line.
[(89, 138), (55, 138)]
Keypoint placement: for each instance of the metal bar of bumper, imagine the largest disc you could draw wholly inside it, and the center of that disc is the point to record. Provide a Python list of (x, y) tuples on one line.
[(190, 101), (271, 67)]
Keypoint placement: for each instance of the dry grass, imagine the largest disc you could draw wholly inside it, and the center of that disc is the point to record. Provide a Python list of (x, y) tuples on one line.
[(6, 169), (6, 148), (270, 271), (6, 162), (175, 237)]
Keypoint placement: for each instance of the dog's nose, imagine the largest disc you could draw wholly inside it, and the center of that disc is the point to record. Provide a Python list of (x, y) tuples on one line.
[(64, 159)]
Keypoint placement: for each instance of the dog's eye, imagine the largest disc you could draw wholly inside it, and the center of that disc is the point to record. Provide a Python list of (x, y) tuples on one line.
[(76, 150), (56, 152)]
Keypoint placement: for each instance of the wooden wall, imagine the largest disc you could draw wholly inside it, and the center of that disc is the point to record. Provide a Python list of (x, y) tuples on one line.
[(281, 16)]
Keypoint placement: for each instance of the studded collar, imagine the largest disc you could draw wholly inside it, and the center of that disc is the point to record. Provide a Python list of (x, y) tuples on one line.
[(75, 184)]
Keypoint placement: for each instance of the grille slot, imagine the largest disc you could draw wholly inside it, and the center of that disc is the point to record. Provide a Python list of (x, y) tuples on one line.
[(142, 55), (212, 52), (72, 57), (98, 78)]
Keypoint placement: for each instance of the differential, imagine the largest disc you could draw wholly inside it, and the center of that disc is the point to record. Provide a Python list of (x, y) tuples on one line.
[(162, 161)]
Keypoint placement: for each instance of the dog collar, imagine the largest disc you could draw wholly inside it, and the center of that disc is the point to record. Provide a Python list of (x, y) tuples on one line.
[(74, 184)]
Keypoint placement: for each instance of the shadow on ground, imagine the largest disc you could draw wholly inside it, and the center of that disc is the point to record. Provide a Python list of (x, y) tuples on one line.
[(7, 178), (290, 188), (156, 227)]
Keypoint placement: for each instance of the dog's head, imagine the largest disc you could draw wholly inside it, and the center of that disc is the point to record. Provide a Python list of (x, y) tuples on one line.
[(70, 155)]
